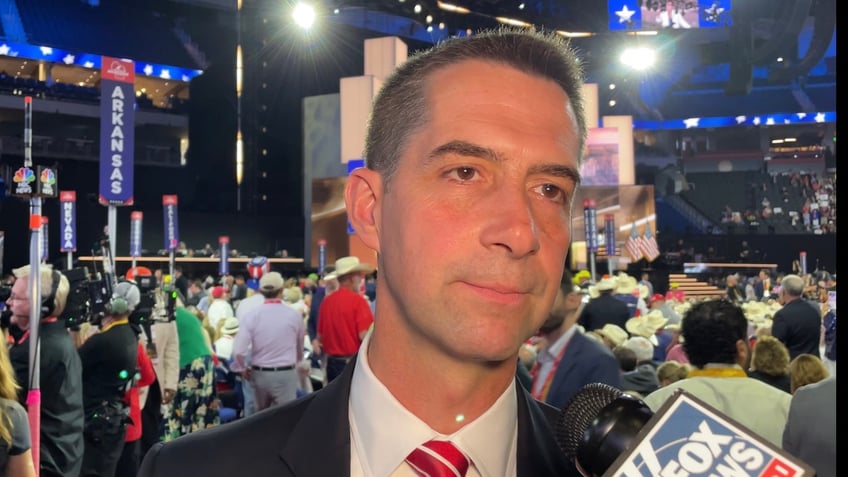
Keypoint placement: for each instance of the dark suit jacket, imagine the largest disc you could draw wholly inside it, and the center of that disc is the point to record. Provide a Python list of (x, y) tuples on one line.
[(602, 310), (584, 361), (310, 437), (798, 325)]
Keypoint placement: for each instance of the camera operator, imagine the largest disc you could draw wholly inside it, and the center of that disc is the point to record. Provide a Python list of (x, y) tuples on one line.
[(61, 445), (109, 360)]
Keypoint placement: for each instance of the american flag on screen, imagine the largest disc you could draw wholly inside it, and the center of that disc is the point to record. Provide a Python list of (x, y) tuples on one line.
[(650, 248), (632, 245)]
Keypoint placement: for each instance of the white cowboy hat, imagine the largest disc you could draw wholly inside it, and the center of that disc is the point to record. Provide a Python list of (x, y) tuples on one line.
[(347, 265), (626, 284), (614, 333), (647, 325), (231, 326)]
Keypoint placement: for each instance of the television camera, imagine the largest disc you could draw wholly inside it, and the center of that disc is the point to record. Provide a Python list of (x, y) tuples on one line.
[(90, 296)]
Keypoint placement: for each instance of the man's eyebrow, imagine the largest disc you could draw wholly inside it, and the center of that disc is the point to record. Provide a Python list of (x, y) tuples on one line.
[(465, 148), (558, 170)]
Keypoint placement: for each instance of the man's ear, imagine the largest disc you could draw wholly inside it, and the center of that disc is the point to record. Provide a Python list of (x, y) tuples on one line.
[(743, 353), (363, 196)]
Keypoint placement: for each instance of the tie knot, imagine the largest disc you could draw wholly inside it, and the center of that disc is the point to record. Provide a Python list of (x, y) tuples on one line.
[(438, 459)]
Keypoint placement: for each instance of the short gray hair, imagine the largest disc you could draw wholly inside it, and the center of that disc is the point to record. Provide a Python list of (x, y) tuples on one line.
[(792, 285)]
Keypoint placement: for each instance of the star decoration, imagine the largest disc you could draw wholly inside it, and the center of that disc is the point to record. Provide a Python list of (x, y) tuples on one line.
[(740, 119), (691, 122), (148, 70), (68, 59), (820, 117), (757, 121), (165, 74), (46, 50), (769, 121), (625, 14), (88, 64), (4, 49), (802, 115)]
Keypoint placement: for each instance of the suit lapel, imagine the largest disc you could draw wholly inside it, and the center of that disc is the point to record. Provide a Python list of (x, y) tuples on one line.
[(566, 363), (538, 452), (323, 443), (322, 446)]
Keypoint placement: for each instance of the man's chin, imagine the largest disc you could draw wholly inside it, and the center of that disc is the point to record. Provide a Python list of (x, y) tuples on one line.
[(20, 321)]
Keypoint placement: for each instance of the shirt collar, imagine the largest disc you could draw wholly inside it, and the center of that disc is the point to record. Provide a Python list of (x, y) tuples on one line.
[(490, 440), (551, 352)]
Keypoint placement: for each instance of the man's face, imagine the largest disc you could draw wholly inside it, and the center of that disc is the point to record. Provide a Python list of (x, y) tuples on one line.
[(475, 227), (18, 302), (562, 312)]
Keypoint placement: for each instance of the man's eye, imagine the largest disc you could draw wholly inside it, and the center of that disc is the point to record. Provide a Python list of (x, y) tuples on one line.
[(552, 192), (465, 173)]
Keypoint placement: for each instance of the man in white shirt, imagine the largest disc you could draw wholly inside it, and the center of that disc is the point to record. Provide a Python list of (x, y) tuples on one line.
[(473, 155)]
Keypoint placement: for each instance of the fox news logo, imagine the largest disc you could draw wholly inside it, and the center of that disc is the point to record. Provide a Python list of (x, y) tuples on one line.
[(689, 439)]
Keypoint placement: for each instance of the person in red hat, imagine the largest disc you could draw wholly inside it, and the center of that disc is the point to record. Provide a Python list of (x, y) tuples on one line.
[(220, 307), (659, 302)]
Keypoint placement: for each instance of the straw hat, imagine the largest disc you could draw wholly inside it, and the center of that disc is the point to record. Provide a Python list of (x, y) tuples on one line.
[(347, 265), (614, 333), (626, 284), (647, 325), (231, 326)]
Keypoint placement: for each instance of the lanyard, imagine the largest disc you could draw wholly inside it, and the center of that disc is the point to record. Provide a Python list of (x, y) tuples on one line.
[(122, 321), (542, 394), (24, 336)]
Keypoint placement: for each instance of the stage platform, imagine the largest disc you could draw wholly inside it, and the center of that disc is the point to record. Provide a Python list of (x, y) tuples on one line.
[(194, 267)]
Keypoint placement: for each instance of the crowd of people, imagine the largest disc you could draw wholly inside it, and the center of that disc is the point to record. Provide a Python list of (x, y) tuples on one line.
[(454, 361)]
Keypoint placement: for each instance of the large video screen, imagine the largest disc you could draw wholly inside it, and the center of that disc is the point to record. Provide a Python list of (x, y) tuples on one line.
[(640, 15)]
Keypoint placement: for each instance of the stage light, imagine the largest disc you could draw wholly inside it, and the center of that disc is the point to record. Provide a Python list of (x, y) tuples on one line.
[(449, 7), (639, 58), (513, 22), (304, 15)]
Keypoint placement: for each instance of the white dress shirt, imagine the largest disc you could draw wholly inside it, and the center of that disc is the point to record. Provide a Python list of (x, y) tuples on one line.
[(379, 447)]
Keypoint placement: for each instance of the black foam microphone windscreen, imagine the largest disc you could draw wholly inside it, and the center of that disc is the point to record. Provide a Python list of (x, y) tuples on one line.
[(598, 424)]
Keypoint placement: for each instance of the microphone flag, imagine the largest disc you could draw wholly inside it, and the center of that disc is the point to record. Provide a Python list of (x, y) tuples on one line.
[(689, 437)]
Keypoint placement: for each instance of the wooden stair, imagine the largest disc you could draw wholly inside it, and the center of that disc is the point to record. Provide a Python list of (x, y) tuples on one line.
[(694, 287)]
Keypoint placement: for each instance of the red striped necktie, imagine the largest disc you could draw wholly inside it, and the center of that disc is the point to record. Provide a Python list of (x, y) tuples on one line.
[(438, 459)]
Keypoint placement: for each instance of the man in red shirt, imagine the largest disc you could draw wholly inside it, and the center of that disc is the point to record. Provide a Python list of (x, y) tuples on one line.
[(344, 317)]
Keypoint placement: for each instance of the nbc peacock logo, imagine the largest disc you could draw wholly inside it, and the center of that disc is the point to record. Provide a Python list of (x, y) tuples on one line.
[(48, 177), (23, 178), (47, 180)]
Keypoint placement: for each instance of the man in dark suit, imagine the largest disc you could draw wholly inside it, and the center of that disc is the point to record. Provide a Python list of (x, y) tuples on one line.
[(604, 308), (473, 155), (569, 359), (798, 323)]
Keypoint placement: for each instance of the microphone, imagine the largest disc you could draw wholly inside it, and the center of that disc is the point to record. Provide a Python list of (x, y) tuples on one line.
[(606, 432), (597, 424)]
